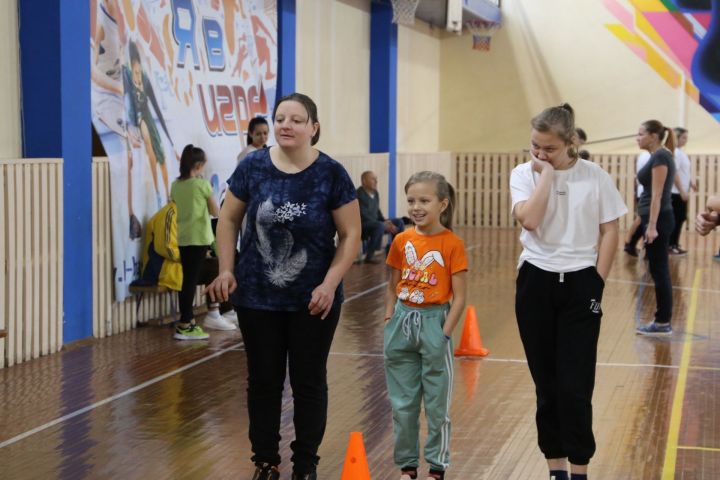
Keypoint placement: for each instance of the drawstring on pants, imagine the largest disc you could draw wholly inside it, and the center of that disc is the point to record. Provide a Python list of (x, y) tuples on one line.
[(412, 319)]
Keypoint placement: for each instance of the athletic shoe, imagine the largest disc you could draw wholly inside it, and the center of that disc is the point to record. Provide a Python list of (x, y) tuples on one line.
[(677, 251), (436, 475), (192, 332), (135, 227), (630, 250), (231, 317), (304, 476), (265, 471), (214, 321), (654, 329), (408, 473)]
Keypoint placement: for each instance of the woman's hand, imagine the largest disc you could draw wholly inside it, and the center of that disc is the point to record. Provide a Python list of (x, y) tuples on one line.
[(651, 234), (321, 300), (706, 222), (221, 288)]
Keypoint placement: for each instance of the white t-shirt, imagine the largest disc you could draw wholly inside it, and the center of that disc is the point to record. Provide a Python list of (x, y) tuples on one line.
[(245, 151), (581, 198), (682, 169), (642, 159)]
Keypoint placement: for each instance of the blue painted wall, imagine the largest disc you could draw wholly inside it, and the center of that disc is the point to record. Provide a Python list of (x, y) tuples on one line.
[(55, 70), (383, 91), (286, 47)]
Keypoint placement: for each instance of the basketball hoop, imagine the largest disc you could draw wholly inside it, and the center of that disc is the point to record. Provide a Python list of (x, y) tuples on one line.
[(482, 33), (404, 11)]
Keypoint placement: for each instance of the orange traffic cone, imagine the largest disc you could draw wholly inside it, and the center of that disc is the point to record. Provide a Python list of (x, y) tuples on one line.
[(471, 343), (356, 466)]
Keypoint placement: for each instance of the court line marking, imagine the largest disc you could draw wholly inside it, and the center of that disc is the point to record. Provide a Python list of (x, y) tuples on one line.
[(100, 403), (520, 360), (155, 380), (671, 448), (704, 449), (648, 284), (237, 346)]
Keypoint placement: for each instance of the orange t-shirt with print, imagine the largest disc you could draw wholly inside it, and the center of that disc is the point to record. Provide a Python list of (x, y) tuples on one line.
[(427, 264)]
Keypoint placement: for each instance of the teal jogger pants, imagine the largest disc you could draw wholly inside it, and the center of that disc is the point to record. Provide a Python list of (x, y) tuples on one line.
[(419, 367)]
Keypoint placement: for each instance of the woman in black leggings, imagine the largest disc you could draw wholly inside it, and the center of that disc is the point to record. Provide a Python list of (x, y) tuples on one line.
[(656, 213)]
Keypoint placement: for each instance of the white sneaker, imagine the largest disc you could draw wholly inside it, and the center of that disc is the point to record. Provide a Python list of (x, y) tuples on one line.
[(231, 317), (214, 321)]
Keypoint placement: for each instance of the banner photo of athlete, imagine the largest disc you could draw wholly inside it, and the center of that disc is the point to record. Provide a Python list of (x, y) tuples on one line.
[(166, 73)]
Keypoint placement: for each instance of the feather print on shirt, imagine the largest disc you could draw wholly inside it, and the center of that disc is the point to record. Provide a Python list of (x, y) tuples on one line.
[(275, 244)]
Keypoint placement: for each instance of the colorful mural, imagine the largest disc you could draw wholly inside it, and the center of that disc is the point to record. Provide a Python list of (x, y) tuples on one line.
[(679, 39), (166, 73)]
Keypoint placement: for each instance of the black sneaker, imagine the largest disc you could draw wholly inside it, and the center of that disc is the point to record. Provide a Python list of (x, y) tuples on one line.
[(408, 473), (265, 471), (677, 251), (630, 250), (304, 476)]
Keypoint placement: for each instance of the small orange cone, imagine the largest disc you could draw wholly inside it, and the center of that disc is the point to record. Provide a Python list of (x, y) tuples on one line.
[(471, 343), (356, 465)]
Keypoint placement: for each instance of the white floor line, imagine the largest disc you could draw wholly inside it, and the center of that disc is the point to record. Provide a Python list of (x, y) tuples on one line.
[(365, 292), (160, 378), (520, 360), (648, 284), (127, 392)]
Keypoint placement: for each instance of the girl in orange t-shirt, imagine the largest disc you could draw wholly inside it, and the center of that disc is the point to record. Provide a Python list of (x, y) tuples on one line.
[(429, 267)]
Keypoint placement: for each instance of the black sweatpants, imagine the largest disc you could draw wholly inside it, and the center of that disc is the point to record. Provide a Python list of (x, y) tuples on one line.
[(559, 320), (680, 214), (658, 264), (302, 342), (191, 258)]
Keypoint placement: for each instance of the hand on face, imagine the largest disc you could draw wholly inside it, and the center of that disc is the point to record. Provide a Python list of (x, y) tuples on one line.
[(540, 165)]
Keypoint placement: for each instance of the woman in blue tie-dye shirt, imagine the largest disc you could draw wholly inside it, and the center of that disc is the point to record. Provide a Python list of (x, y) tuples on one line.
[(287, 280)]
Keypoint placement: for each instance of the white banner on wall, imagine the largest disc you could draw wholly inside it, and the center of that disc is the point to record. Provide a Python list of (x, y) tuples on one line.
[(166, 73)]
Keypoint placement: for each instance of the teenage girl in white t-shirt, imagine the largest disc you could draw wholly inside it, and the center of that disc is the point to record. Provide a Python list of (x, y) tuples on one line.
[(568, 208)]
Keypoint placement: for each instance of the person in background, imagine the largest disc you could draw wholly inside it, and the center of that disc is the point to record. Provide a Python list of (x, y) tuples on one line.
[(374, 223), (657, 220), (257, 136), (582, 140), (195, 203), (682, 186), (636, 232)]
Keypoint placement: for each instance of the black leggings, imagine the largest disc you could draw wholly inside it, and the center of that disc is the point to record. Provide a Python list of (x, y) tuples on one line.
[(301, 342), (191, 258), (680, 213), (657, 253)]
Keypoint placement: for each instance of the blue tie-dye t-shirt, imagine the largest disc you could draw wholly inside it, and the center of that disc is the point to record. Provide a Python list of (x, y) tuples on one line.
[(288, 242)]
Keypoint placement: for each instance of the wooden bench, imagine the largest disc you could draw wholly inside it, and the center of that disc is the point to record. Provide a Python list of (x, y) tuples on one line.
[(140, 290)]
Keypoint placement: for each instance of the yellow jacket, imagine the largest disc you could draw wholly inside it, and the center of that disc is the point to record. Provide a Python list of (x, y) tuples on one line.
[(161, 255)]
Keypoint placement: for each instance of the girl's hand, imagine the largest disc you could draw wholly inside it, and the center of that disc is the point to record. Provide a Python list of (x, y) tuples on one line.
[(321, 300), (651, 234), (540, 165), (221, 288)]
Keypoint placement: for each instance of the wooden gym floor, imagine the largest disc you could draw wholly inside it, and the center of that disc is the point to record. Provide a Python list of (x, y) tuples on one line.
[(140, 405)]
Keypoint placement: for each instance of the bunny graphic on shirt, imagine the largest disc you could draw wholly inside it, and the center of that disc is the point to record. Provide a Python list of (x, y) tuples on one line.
[(417, 271)]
